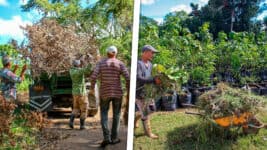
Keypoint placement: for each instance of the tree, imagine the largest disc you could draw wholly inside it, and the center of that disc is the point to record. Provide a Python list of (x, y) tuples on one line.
[(106, 20), (195, 9), (227, 15), (265, 22)]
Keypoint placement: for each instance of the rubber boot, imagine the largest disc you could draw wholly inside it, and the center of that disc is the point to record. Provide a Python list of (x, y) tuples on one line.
[(147, 129), (72, 117), (82, 124), (136, 119)]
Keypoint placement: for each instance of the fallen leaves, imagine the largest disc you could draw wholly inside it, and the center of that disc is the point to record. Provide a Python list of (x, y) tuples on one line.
[(6, 117)]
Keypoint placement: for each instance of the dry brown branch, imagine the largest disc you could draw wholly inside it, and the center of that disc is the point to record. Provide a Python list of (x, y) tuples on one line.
[(52, 47)]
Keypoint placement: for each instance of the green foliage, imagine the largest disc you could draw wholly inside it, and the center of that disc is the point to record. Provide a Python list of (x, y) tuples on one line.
[(7, 49), (14, 54), (242, 52), (171, 79), (241, 55), (24, 85), (165, 57), (219, 14), (148, 32), (110, 22), (123, 45), (176, 75)]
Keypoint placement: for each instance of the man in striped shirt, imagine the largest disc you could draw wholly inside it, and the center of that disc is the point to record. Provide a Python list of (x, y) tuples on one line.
[(109, 71)]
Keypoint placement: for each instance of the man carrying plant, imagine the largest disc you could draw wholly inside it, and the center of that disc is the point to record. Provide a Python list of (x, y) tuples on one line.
[(109, 71), (80, 101), (144, 70), (9, 79)]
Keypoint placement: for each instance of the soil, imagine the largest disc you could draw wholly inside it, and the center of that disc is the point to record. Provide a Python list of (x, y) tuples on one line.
[(60, 137)]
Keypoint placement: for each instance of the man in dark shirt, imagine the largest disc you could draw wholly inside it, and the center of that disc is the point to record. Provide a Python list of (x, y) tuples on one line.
[(144, 69)]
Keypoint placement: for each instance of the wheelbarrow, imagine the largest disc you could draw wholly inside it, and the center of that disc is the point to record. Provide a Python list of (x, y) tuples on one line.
[(246, 120)]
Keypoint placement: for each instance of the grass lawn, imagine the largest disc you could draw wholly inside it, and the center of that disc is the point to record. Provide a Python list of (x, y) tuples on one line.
[(178, 130)]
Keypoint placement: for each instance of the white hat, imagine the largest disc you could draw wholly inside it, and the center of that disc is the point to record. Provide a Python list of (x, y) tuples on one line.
[(76, 63), (112, 49)]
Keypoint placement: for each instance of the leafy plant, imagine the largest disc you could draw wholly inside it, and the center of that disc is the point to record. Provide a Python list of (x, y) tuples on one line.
[(171, 79)]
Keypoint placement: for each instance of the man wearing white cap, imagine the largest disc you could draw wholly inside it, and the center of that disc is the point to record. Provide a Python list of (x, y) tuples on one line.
[(109, 71), (80, 101)]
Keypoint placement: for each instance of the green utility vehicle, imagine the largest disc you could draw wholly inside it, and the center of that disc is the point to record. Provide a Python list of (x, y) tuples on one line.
[(50, 93)]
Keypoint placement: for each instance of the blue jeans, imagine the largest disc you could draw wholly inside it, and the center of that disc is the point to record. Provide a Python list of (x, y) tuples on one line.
[(104, 108)]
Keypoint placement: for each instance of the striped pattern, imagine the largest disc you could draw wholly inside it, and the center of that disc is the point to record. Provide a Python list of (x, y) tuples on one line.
[(108, 71)]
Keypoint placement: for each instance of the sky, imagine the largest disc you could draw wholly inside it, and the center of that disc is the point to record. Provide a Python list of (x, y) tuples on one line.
[(12, 17), (157, 9)]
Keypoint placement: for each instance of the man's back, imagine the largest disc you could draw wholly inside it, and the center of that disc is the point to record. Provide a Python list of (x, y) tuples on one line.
[(78, 79), (109, 71)]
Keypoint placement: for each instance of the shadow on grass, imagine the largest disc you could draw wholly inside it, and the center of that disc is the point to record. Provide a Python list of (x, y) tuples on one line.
[(200, 137)]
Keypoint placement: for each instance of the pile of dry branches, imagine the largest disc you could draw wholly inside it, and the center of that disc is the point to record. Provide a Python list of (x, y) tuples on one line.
[(225, 101), (51, 47)]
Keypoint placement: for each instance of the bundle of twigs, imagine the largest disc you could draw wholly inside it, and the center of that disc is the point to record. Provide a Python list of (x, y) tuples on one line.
[(51, 47)]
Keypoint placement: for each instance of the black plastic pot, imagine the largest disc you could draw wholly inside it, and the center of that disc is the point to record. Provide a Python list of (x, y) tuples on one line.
[(185, 98), (254, 88), (263, 75), (263, 91), (167, 102), (263, 88), (196, 92)]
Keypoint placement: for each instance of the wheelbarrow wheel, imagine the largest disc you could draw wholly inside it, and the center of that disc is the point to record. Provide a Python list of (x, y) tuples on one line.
[(253, 127)]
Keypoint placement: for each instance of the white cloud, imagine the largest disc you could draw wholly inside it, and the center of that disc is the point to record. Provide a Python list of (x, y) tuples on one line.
[(23, 2), (147, 2), (262, 15), (11, 28), (3, 3), (203, 1), (159, 20), (183, 7)]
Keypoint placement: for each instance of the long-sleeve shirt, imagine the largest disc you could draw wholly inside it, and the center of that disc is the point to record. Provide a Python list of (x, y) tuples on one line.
[(78, 79), (109, 71), (143, 77), (8, 83)]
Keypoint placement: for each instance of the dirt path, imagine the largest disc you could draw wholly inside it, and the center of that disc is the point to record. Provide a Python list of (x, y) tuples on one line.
[(60, 137)]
